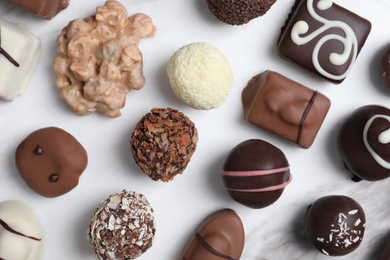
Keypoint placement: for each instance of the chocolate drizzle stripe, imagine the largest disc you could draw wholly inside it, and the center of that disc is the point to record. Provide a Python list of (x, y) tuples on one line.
[(270, 188), (8, 228), (311, 102), (255, 173), (2, 51), (210, 249)]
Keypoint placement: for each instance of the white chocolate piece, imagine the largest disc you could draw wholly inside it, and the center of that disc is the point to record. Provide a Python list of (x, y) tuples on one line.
[(26, 241), (25, 48)]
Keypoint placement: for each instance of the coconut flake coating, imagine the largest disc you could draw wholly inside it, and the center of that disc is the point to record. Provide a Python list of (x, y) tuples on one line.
[(200, 75), (122, 227), (99, 61)]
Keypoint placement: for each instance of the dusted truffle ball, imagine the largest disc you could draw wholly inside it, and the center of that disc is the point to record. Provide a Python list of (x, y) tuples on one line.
[(122, 227), (255, 173), (335, 225), (200, 75), (219, 236), (364, 143), (51, 161), (238, 12), (163, 142)]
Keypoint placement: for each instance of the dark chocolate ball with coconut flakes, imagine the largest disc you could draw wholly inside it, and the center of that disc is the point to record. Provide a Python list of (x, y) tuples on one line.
[(122, 227), (335, 225)]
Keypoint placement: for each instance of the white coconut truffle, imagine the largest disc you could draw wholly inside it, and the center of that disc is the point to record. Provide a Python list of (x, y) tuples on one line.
[(200, 75)]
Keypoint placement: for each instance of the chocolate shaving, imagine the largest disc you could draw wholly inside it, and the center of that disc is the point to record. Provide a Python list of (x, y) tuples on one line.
[(8, 228), (311, 102), (2, 51)]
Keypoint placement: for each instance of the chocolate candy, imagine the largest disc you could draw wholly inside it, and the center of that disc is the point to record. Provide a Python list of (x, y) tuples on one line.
[(20, 50), (364, 143), (21, 235), (386, 252), (50, 161), (323, 37), (219, 236), (384, 67), (284, 107), (239, 12), (335, 225), (255, 173), (163, 143), (122, 227), (44, 8)]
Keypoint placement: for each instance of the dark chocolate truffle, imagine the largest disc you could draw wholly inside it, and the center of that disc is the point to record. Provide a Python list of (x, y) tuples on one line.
[(323, 38), (255, 173), (386, 252), (384, 67), (122, 227), (238, 12), (364, 143), (284, 107), (219, 236), (50, 161), (335, 225), (163, 143)]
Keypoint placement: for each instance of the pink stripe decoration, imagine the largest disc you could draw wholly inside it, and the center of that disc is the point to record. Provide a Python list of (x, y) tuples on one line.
[(271, 188), (254, 173)]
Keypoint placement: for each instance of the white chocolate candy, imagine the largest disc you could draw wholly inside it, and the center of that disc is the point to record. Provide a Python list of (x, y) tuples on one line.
[(21, 236), (25, 48)]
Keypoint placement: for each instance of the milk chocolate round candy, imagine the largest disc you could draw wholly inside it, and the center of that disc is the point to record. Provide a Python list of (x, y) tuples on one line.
[(50, 161), (219, 236), (255, 173), (364, 143), (335, 225)]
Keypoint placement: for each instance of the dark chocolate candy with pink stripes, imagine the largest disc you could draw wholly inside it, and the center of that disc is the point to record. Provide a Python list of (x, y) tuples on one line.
[(284, 107), (220, 236), (255, 173)]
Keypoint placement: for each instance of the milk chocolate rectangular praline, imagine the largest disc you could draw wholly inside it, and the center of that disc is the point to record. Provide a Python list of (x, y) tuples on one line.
[(284, 107), (44, 8)]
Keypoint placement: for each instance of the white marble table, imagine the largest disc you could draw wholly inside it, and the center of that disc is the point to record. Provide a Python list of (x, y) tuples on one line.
[(272, 233)]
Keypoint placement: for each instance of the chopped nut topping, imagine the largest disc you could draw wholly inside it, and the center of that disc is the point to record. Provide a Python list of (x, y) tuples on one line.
[(163, 143)]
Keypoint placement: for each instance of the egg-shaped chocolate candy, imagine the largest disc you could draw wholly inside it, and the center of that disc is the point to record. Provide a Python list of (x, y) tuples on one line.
[(364, 143), (335, 225), (255, 173)]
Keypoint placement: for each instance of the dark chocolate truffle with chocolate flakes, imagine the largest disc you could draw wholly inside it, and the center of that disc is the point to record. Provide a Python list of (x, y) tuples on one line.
[(384, 67), (238, 12), (122, 227), (335, 225), (163, 143), (364, 143), (255, 173)]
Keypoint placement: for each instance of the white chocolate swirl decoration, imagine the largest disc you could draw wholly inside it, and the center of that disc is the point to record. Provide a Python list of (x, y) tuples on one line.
[(383, 138), (349, 41)]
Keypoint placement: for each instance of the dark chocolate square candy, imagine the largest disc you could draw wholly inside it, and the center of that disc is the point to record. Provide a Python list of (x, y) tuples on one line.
[(323, 37)]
